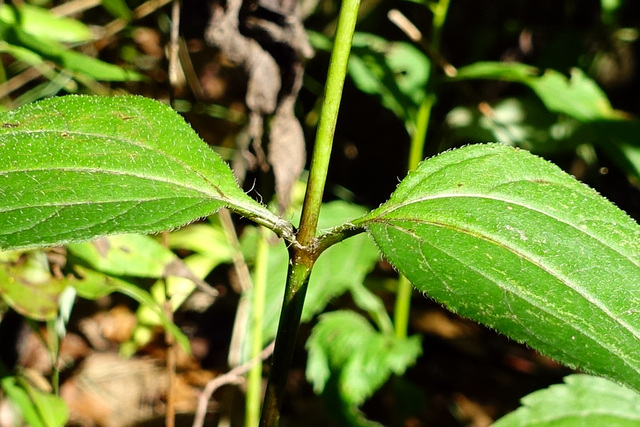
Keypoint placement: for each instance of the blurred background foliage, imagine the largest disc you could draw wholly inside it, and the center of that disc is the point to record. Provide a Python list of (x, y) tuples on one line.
[(558, 78)]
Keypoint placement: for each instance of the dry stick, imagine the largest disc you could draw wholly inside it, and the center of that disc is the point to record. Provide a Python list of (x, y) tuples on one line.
[(245, 282), (170, 414), (139, 12), (414, 34), (20, 80), (234, 376), (74, 7)]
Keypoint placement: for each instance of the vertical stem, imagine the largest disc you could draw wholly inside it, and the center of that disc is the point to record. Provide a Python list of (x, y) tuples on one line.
[(328, 118), (303, 255), (297, 281), (254, 380)]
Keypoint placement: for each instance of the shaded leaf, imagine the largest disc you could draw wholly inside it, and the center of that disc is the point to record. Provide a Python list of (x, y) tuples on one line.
[(39, 409), (508, 239), (397, 72), (343, 344), (582, 400), (136, 167)]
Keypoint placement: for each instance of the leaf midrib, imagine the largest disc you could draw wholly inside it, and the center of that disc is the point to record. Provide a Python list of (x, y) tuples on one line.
[(378, 218), (543, 308), (135, 143)]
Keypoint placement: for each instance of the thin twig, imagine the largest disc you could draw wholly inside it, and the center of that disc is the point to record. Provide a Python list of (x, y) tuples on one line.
[(234, 376)]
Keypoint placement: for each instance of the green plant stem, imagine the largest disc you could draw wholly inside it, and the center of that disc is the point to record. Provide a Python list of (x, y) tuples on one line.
[(304, 252), (328, 118), (254, 379), (297, 281)]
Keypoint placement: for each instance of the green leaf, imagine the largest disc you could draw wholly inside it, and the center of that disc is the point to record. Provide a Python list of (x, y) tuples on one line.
[(118, 8), (520, 122), (39, 409), (66, 58), (582, 400), (27, 285), (93, 285), (79, 167), (41, 22), (343, 344), (397, 72), (579, 96), (508, 239)]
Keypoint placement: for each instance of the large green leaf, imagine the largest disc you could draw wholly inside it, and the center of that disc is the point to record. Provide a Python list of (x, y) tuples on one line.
[(582, 401), (78, 167), (508, 239)]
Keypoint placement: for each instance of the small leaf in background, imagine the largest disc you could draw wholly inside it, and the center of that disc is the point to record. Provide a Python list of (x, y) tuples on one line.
[(582, 400), (27, 285), (520, 122), (345, 346), (93, 285), (578, 96), (509, 240), (137, 167), (118, 9), (41, 22), (37, 408), (125, 255), (397, 72)]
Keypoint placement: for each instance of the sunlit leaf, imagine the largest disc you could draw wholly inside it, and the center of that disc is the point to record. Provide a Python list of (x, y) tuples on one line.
[(508, 239), (75, 168), (41, 22), (577, 96)]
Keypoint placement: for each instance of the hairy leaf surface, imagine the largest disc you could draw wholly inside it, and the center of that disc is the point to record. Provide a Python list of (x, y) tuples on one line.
[(582, 400), (77, 167), (510, 240)]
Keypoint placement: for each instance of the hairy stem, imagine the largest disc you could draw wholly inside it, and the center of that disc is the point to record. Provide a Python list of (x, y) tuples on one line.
[(304, 250), (328, 118)]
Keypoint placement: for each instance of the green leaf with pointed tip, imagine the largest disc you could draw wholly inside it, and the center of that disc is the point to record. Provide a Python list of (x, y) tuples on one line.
[(41, 22), (78, 167), (582, 400), (508, 239)]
